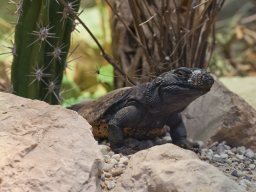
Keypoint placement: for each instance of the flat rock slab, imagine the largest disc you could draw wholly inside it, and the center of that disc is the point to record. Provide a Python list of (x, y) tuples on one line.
[(46, 148), (168, 168), (221, 115)]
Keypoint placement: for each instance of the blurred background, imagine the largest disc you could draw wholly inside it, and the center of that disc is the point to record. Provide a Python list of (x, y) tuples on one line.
[(233, 60)]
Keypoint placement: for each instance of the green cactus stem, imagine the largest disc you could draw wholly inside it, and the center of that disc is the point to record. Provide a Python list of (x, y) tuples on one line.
[(42, 40)]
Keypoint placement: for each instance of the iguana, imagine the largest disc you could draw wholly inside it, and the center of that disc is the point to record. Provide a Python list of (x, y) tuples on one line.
[(142, 111)]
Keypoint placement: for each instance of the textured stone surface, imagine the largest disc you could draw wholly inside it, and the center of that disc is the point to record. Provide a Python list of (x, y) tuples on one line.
[(46, 148), (221, 115), (168, 168)]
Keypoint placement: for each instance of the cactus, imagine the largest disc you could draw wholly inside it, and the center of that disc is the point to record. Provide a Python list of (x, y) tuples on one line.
[(42, 40)]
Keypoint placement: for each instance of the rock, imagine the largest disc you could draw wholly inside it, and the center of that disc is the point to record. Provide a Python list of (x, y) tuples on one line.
[(104, 149), (110, 184), (46, 148), (213, 144), (224, 156), (143, 145), (248, 178), (249, 154), (200, 143), (230, 118), (247, 162), (167, 139), (241, 157), (116, 157), (218, 159), (241, 173), (108, 175), (124, 160), (228, 161), (111, 153), (169, 168), (241, 150), (150, 143), (113, 162), (227, 147), (107, 167), (241, 166), (117, 171), (234, 173), (157, 141), (107, 157), (252, 166), (242, 183), (120, 165)]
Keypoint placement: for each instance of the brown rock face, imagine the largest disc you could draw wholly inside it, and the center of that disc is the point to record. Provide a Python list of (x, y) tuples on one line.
[(168, 168), (221, 115), (46, 148)]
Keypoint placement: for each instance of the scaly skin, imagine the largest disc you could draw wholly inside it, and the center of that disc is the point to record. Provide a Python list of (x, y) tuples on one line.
[(142, 111)]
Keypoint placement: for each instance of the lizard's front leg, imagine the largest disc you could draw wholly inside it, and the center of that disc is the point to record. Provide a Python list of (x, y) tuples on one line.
[(125, 117), (179, 134)]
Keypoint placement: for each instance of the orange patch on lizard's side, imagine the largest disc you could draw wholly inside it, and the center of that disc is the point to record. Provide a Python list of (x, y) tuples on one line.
[(101, 131)]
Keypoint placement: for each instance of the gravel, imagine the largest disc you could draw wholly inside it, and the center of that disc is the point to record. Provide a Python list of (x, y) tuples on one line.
[(237, 163)]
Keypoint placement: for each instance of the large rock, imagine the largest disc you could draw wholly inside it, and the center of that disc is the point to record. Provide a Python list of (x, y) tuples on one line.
[(168, 168), (46, 148), (221, 115)]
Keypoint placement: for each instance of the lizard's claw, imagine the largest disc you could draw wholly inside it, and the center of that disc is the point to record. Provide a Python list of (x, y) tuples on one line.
[(186, 144), (124, 150)]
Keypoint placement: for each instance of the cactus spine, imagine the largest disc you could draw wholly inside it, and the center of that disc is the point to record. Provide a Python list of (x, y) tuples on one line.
[(42, 40)]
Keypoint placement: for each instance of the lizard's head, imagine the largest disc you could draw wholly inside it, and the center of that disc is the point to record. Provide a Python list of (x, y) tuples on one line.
[(184, 81), (178, 88)]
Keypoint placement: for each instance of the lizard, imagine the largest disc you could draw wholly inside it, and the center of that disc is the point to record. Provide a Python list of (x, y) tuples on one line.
[(142, 111)]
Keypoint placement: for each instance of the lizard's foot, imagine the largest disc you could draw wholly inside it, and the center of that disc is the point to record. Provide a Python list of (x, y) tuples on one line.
[(124, 150), (186, 144)]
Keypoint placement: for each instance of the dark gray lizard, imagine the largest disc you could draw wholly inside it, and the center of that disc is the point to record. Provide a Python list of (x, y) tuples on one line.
[(142, 111)]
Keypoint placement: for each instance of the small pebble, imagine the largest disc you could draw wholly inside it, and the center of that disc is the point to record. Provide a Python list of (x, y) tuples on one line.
[(116, 157), (230, 152), (241, 157), (108, 175), (106, 167), (213, 144), (97, 139), (227, 147), (200, 143), (104, 149), (124, 160), (117, 171), (249, 153), (214, 148), (241, 166), (157, 141), (167, 139), (245, 169), (143, 145), (242, 183), (252, 166), (112, 163), (150, 143), (220, 148), (248, 178), (224, 156), (241, 173), (248, 183), (111, 153), (234, 173), (240, 150), (106, 157), (110, 184), (233, 150), (120, 165), (228, 161), (247, 162), (218, 159)]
